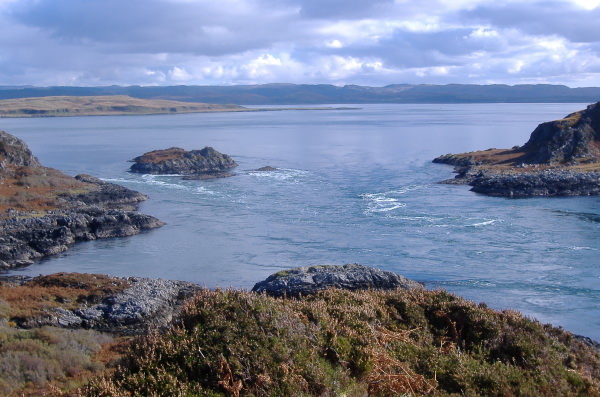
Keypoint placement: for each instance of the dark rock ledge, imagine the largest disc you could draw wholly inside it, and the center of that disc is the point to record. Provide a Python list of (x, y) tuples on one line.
[(103, 213)]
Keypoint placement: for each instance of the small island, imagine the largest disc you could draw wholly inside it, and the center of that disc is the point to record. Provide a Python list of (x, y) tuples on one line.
[(200, 164), (561, 158)]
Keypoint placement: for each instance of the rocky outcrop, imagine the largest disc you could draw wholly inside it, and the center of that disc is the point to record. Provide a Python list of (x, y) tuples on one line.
[(14, 152), (309, 280), (576, 138), (207, 162), (47, 211), (561, 158), (126, 306)]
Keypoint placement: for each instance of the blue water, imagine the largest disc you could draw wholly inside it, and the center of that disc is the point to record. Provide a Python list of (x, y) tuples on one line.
[(354, 186)]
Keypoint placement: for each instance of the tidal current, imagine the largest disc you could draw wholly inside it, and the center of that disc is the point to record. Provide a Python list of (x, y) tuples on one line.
[(352, 186)]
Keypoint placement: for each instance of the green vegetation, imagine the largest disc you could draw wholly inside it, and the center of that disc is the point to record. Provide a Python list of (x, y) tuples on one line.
[(231, 343), (48, 360)]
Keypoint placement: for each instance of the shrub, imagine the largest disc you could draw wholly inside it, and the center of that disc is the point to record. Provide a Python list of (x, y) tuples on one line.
[(353, 343)]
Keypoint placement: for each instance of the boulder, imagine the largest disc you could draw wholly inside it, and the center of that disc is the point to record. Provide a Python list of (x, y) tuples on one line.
[(309, 280)]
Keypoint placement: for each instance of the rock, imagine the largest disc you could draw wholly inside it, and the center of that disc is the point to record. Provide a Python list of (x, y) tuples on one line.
[(15, 152), (178, 161), (50, 220), (207, 175), (147, 304), (266, 169), (126, 306), (561, 158), (309, 280)]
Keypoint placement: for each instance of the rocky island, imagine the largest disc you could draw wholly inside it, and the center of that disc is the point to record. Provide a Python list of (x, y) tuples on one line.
[(561, 158), (206, 163), (43, 211)]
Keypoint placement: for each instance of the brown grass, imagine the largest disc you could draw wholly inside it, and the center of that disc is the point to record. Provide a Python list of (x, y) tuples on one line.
[(158, 156), (67, 290), (103, 105), (36, 188)]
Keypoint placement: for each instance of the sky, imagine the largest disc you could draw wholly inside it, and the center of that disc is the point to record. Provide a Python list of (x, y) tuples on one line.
[(365, 42)]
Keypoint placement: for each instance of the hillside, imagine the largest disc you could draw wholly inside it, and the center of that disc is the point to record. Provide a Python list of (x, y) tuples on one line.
[(51, 106), (561, 158), (288, 94)]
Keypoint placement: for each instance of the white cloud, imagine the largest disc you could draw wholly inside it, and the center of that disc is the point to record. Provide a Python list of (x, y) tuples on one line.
[(79, 42)]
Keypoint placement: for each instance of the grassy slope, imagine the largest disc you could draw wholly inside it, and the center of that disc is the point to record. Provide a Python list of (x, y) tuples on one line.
[(231, 343), (102, 106), (50, 361)]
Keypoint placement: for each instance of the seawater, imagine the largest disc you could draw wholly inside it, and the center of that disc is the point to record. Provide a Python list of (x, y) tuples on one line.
[(353, 185)]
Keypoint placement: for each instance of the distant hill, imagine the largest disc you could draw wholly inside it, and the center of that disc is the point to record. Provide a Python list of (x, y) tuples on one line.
[(289, 94), (48, 106)]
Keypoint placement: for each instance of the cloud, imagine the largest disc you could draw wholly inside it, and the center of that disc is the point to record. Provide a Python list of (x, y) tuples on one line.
[(93, 42)]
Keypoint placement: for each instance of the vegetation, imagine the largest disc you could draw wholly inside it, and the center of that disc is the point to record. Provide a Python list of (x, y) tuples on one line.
[(36, 188), (48, 360), (101, 106), (231, 343)]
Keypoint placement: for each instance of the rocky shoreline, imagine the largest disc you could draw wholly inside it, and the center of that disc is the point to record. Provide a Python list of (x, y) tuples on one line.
[(561, 158), (103, 213), (45, 211), (524, 183)]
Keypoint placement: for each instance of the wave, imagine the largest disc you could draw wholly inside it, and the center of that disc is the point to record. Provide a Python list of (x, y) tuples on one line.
[(280, 174)]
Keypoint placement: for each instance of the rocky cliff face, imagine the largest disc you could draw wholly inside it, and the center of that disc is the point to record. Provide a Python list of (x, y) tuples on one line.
[(576, 138), (45, 211), (179, 161), (561, 158)]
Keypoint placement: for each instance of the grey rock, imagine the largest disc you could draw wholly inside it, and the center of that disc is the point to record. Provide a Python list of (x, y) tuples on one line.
[(147, 304), (309, 280), (179, 161)]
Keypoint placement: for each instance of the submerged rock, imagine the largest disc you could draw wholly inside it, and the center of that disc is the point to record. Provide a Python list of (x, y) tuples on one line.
[(309, 280), (266, 168), (175, 160)]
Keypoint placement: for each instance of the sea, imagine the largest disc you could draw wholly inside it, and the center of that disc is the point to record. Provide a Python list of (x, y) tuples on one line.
[(353, 185)]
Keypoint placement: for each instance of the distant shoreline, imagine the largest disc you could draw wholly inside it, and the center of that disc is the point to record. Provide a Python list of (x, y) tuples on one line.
[(120, 105)]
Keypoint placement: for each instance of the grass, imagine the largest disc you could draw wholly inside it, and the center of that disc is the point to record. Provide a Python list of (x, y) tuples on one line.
[(102, 105), (36, 188), (231, 343), (50, 361), (38, 297)]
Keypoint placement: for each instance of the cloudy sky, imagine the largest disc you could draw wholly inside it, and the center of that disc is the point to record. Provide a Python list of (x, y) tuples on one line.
[(367, 42)]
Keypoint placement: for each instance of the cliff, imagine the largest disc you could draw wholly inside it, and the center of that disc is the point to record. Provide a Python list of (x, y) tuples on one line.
[(206, 162), (43, 211), (561, 158)]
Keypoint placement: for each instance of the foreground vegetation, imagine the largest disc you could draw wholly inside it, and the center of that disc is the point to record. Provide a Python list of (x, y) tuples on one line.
[(353, 343)]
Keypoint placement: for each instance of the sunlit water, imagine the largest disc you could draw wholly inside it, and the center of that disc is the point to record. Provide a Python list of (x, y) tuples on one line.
[(353, 186)]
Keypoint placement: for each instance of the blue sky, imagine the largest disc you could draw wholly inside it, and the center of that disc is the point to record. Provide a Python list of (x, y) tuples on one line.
[(366, 42)]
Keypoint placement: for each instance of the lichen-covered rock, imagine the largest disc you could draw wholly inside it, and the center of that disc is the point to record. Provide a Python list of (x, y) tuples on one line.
[(179, 161), (309, 280)]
